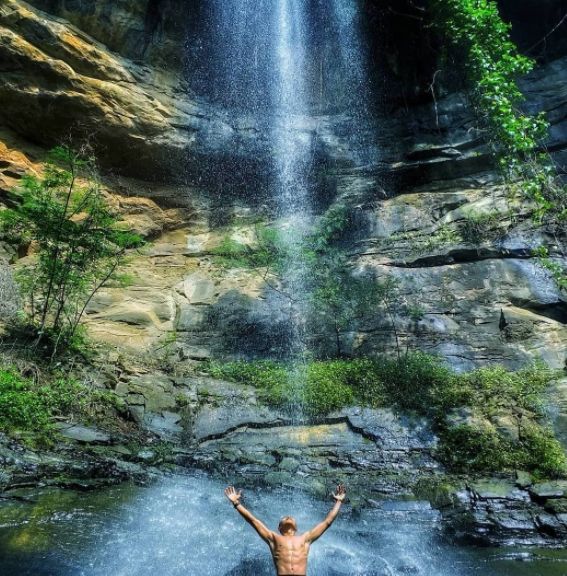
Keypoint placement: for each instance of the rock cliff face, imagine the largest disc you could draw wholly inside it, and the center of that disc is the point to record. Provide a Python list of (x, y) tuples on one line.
[(187, 174)]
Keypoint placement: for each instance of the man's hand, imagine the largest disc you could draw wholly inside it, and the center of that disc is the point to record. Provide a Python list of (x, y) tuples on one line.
[(340, 493), (233, 495)]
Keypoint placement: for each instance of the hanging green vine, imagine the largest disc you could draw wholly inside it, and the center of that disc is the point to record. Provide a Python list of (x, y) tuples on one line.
[(493, 66)]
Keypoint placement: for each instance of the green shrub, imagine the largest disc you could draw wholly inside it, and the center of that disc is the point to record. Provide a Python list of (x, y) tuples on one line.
[(364, 376), (317, 389), (326, 388), (468, 449), (542, 452), (26, 406), (21, 406), (414, 381), (494, 386), (260, 374)]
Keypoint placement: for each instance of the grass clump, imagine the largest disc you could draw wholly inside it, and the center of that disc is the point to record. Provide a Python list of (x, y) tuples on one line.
[(421, 384), (482, 226)]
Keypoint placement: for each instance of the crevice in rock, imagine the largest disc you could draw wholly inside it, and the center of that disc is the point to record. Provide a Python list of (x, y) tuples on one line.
[(283, 422), (556, 311), (457, 256)]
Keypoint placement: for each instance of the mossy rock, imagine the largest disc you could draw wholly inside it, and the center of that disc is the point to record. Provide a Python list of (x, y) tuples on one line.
[(557, 489), (493, 489), (440, 493), (519, 331), (556, 506)]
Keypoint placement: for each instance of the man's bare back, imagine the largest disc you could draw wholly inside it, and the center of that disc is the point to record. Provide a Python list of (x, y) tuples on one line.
[(289, 550)]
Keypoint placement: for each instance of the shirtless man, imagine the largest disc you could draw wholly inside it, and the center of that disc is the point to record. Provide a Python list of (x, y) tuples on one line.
[(289, 550)]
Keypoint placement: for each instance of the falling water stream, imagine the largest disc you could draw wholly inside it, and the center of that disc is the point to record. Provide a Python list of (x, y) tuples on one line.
[(288, 65)]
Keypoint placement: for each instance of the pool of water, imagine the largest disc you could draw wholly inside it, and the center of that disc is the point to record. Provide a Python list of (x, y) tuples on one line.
[(183, 526)]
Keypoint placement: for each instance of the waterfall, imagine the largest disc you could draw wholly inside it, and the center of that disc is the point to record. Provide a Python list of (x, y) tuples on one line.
[(289, 67), (183, 526), (291, 145)]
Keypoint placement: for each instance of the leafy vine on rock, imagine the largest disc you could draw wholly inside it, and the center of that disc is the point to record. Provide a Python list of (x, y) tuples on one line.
[(493, 65)]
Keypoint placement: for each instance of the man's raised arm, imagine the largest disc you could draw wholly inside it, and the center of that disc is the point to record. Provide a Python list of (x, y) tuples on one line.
[(318, 531), (263, 531)]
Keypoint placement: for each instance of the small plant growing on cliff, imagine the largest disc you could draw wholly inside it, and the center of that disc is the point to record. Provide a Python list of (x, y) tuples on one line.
[(557, 271), (480, 226), (76, 244)]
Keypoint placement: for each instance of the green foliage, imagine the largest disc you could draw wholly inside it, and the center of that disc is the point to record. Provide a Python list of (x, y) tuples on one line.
[(268, 251), (337, 298), (415, 312), (442, 237), (263, 374), (27, 406), (232, 254), (541, 452), (318, 388), (331, 227), (493, 66), (467, 449), (421, 384), (78, 243), (326, 388), (20, 406), (554, 268)]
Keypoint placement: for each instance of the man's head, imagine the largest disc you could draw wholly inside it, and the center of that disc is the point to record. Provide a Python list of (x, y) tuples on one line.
[(287, 525)]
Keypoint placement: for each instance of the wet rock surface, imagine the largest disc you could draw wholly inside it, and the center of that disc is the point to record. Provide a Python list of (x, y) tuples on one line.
[(508, 512), (83, 466), (385, 458)]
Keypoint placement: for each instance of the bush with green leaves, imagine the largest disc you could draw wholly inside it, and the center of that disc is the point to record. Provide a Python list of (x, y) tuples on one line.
[(465, 448), (78, 243), (421, 384), (27, 406), (493, 65)]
